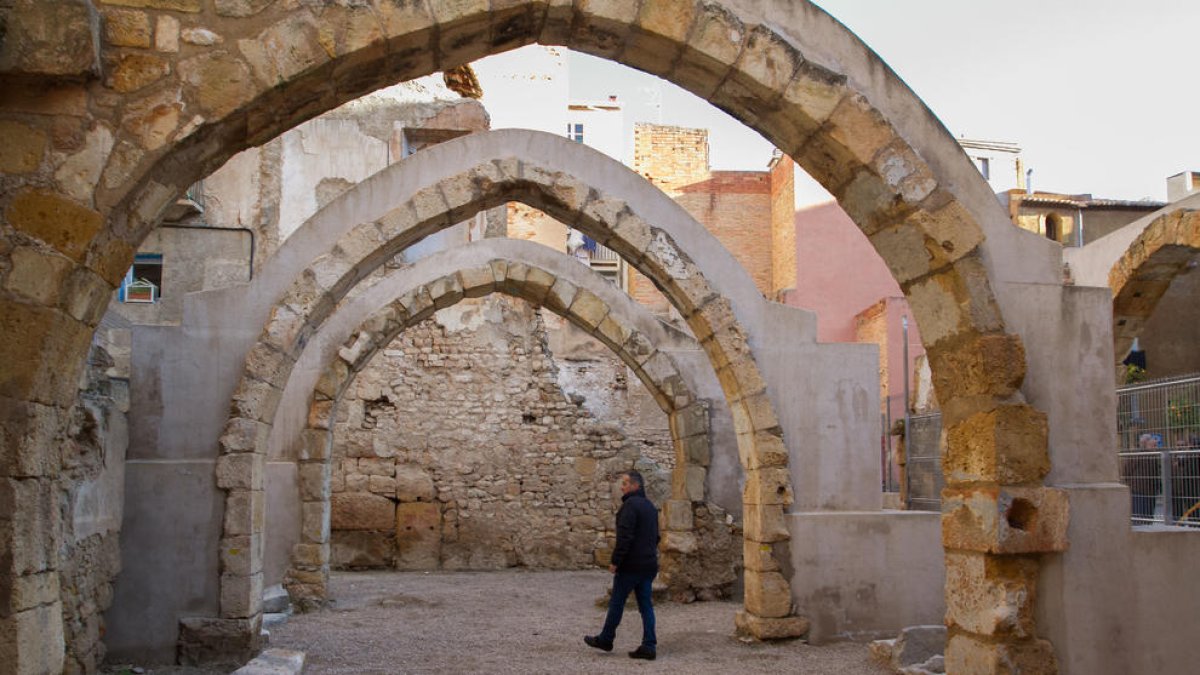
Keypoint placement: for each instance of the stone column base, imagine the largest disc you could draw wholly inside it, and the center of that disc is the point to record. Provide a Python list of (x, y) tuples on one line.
[(223, 642), (762, 628)]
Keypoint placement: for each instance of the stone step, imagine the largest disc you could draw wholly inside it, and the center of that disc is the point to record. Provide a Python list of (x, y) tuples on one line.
[(276, 600)]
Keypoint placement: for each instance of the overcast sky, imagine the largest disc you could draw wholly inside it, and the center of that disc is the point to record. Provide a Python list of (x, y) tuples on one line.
[(1103, 96)]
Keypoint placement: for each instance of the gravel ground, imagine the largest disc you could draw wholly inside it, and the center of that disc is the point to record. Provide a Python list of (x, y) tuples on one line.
[(527, 622)]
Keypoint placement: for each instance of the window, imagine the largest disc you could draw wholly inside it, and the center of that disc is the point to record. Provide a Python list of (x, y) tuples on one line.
[(985, 167), (143, 281), (575, 131), (1054, 227)]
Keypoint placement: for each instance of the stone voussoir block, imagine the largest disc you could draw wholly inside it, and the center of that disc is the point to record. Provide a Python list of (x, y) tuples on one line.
[(241, 596), (589, 309), (989, 364), (1006, 445), (561, 295), (1005, 520)]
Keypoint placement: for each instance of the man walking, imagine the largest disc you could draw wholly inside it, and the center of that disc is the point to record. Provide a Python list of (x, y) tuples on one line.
[(634, 566)]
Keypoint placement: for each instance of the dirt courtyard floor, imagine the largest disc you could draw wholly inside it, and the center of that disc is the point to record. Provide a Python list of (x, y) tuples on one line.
[(527, 622)]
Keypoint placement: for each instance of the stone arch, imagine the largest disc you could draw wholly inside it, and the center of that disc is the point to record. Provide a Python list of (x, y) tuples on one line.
[(713, 318), (1165, 249), (784, 68), (475, 271)]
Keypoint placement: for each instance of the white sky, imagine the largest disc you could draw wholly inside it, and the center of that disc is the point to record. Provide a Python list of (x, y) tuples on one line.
[(1101, 95)]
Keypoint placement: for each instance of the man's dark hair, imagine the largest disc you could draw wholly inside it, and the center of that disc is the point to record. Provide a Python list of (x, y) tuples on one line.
[(635, 476)]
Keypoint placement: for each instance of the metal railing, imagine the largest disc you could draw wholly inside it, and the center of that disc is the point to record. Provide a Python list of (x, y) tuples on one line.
[(1158, 439), (923, 462)]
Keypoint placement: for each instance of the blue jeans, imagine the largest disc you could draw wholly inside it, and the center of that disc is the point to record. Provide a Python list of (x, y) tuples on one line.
[(625, 583)]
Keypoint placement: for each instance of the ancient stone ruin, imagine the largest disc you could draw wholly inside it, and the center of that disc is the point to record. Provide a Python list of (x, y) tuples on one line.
[(226, 368)]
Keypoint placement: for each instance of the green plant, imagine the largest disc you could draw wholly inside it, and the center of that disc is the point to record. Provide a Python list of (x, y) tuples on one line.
[(1134, 373)]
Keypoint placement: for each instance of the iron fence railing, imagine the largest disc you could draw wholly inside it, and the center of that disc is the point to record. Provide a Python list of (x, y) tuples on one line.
[(1158, 439), (923, 462)]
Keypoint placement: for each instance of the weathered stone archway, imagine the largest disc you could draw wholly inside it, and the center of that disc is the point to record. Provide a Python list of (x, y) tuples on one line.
[(319, 289), (1164, 250), (627, 330), (784, 68)]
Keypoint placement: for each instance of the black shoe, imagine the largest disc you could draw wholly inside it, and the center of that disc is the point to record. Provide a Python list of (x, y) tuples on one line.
[(595, 641), (642, 653)]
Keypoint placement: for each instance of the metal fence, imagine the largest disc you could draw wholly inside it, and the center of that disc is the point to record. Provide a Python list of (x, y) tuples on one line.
[(1158, 435), (923, 462)]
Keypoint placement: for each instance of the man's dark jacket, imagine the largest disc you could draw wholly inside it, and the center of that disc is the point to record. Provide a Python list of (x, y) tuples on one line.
[(637, 535)]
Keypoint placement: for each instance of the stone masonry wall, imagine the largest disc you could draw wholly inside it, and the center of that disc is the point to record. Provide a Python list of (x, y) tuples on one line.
[(90, 505), (468, 445)]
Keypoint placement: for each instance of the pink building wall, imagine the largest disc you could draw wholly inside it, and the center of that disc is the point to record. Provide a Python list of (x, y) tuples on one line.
[(838, 276)]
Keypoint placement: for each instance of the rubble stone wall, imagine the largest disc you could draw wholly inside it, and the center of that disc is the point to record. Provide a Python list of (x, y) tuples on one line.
[(468, 444), (90, 503)]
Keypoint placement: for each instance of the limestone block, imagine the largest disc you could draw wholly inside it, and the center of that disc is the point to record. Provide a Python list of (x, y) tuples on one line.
[(762, 72), (765, 523), (1005, 520), (991, 595), (908, 251), (36, 275), (23, 148), (538, 283), (613, 333), (314, 481), (759, 556), (31, 590), (311, 555), (284, 50), (445, 291), (414, 484), (695, 477), (691, 421), (61, 223), (50, 39), (363, 550), (726, 347), (127, 28), (561, 295), (129, 72), (683, 543), (695, 450), (201, 37), (768, 485), (954, 300), (418, 304), (860, 128), (715, 42), (241, 597), (316, 521), (463, 28), (418, 535), (991, 364), (767, 594), (741, 374), (320, 415), (477, 282), (264, 361), (254, 400), (759, 409), (218, 81), (382, 485), (31, 641), (362, 511), (973, 656), (35, 334), (585, 467), (318, 445), (764, 628), (85, 294), (241, 555), (677, 515), (810, 98), (638, 347), (1006, 445), (659, 34), (631, 237), (245, 512), (208, 640), (240, 8), (166, 34), (190, 6), (241, 471)]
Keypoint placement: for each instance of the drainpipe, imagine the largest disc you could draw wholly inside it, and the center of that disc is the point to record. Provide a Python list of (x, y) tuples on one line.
[(907, 436), (1079, 234)]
